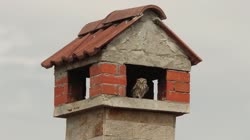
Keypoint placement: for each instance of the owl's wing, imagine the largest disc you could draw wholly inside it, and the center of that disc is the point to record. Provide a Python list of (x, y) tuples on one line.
[(133, 89)]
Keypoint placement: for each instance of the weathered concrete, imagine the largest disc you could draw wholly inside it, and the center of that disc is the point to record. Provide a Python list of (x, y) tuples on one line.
[(139, 124), (78, 64), (85, 126), (121, 102), (145, 43), (108, 124)]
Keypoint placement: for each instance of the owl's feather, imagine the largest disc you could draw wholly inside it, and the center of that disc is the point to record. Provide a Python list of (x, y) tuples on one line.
[(140, 88)]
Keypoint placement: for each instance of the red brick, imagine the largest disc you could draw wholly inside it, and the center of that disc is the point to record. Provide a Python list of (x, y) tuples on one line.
[(103, 68), (114, 79), (108, 79), (170, 86), (60, 90), (108, 68), (66, 88), (93, 80), (94, 70), (104, 89), (94, 91), (109, 89), (62, 80), (63, 99), (122, 70), (177, 76), (182, 87), (178, 97)]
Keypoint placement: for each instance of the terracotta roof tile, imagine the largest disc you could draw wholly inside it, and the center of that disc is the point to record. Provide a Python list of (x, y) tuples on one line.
[(87, 45), (132, 12), (95, 35), (90, 27), (121, 15)]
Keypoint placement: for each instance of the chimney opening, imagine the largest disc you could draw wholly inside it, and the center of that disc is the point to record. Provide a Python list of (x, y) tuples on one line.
[(151, 74), (79, 83)]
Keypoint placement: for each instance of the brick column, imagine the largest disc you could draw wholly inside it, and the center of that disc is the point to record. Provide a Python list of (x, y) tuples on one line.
[(108, 78), (177, 86), (61, 90)]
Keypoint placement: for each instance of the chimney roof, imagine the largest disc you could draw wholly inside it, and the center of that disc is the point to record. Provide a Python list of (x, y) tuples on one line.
[(97, 34)]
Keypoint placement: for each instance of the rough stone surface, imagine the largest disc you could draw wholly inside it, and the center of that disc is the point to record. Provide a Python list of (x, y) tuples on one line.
[(121, 102), (120, 124), (144, 43)]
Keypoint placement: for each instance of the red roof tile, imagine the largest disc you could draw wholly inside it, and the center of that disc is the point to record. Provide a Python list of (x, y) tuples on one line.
[(87, 45), (119, 15), (95, 35), (132, 12)]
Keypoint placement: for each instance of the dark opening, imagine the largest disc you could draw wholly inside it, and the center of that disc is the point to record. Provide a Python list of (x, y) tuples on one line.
[(150, 73), (79, 83)]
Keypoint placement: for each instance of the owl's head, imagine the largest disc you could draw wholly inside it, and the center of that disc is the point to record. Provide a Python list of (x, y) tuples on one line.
[(141, 81)]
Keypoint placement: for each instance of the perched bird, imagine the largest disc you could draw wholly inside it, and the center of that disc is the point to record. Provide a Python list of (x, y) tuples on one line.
[(140, 88)]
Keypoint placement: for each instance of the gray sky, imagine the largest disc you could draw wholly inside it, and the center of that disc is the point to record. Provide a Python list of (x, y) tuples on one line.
[(217, 30)]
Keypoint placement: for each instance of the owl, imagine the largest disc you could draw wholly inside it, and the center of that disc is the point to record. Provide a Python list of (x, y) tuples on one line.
[(140, 88)]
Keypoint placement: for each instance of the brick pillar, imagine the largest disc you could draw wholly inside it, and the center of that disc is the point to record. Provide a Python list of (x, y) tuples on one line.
[(177, 86), (61, 90), (108, 78), (69, 87)]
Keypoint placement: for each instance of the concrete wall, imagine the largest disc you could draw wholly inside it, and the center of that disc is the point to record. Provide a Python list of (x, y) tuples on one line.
[(138, 125), (120, 124), (144, 43), (85, 126)]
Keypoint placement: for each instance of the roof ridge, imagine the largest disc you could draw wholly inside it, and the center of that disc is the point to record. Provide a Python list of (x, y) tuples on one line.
[(120, 15)]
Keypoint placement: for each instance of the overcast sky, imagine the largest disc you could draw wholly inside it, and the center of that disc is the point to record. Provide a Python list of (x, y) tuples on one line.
[(217, 30)]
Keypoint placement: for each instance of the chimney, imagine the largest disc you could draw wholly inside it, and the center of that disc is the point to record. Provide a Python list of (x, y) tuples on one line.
[(139, 73)]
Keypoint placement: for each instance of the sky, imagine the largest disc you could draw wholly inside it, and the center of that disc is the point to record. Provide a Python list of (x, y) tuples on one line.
[(217, 30)]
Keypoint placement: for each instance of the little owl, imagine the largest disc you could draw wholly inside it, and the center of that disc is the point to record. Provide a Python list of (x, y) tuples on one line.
[(140, 88)]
